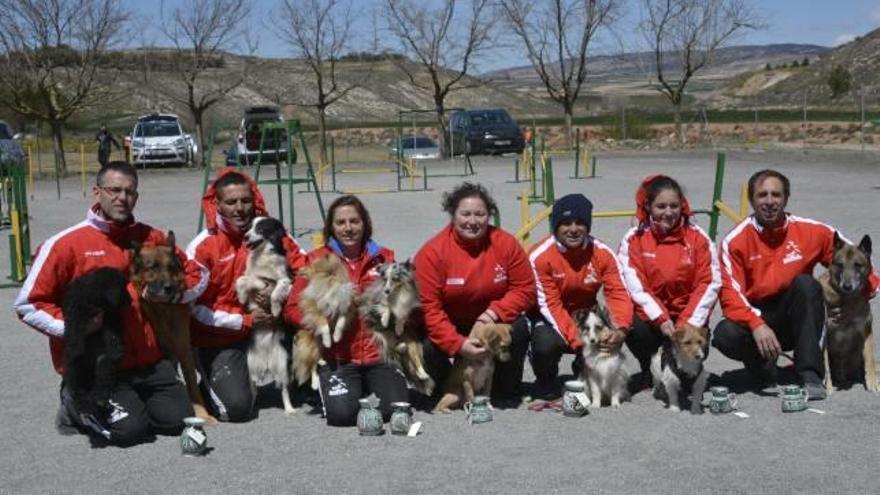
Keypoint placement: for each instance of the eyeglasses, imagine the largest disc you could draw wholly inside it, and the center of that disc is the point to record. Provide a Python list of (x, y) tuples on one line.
[(115, 191)]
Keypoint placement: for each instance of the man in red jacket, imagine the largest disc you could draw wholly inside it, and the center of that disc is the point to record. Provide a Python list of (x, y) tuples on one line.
[(147, 398), (771, 301), (571, 266), (221, 326)]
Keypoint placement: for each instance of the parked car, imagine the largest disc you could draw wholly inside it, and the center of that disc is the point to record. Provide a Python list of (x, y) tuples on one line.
[(250, 134), (10, 148), (487, 131), (158, 138), (417, 148)]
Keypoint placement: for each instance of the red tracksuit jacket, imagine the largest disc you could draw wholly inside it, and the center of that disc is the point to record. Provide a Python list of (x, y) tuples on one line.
[(357, 345), (218, 319), (458, 282), (676, 276), (86, 246), (758, 264), (570, 279)]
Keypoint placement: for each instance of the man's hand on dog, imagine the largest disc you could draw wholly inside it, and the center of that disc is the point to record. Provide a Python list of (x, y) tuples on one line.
[(768, 344), (262, 317), (667, 328), (612, 340), (472, 348)]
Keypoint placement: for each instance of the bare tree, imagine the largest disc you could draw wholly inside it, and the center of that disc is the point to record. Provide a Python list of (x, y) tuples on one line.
[(557, 37), (52, 51), (202, 32), (684, 36), (442, 45), (319, 32)]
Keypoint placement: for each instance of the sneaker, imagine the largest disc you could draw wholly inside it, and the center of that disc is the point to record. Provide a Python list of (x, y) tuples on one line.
[(815, 390), (64, 422), (762, 373)]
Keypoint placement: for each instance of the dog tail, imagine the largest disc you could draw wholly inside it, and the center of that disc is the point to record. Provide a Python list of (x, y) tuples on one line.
[(306, 355)]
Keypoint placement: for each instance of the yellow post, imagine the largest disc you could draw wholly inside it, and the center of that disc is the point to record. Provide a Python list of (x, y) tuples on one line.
[(744, 200), (317, 239), (16, 234), (82, 166), (524, 213), (30, 171), (586, 162), (525, 163)]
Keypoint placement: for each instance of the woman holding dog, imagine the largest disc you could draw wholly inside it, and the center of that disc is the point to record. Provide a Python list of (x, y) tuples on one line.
[(473, 272), (670, 267), (571, 266), (354, 366)]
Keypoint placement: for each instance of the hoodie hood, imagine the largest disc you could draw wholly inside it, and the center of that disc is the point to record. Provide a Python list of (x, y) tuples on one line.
[(642, 202), (209, 200)]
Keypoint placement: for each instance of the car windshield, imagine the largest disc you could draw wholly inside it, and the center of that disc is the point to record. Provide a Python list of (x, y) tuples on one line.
[(488, 118), (419, 142), (157, 129), (5, 131)]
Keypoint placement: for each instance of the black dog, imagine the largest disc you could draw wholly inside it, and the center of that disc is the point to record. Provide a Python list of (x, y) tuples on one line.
[(92, 355)]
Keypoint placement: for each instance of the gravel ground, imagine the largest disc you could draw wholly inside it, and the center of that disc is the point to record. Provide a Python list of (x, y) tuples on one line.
[(637, 448)]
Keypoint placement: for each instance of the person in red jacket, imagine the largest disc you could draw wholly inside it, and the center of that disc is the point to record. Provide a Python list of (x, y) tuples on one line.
[(571, 266), (670, 267), (220, 325), (354, 366), (147, 397), (473, 272), (771, 301)]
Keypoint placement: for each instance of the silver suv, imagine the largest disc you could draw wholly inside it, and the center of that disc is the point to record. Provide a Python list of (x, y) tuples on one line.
[(159, 138)]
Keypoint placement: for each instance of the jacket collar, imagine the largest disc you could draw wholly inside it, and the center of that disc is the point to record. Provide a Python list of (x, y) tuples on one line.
[(771, 232), (588, 240), (471, 247), (96, 219), (371, 248)]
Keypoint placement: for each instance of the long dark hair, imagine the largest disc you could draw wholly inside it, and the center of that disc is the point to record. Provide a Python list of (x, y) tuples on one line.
[(348, 200)]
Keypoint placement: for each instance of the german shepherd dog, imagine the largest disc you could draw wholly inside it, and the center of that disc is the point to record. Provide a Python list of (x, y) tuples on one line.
[(472, 377), (93, 346), (267, 273), (604, 371), (157, 274), (849, 340), (388, 307)]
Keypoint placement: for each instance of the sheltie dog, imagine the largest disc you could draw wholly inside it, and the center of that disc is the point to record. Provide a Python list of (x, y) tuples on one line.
[(388, 307), (604, 370)]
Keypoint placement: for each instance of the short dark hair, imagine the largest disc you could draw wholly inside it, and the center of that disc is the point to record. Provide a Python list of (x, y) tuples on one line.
[(232, 178), (122, 167), (660, 184), (468, 190), (348, 200), (760, 175)]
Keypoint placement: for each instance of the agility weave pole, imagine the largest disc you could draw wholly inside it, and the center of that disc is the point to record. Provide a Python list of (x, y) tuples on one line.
[(528, 223)]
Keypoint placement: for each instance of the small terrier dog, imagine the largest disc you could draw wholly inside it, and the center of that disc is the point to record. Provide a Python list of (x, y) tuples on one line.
[(604, 371), (387, 306), (678, 370), (472, 377), (267, 273), (849, 339)]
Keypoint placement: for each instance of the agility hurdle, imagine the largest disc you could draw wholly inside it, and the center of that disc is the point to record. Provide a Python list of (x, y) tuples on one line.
[(718, 207), (13, 187)]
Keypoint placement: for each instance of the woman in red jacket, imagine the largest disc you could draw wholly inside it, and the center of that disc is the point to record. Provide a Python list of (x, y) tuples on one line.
[(670, 267), (473, 272), (354, 366)]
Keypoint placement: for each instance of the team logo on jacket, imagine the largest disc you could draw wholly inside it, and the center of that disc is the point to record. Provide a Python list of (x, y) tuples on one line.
[(91, 254), (228, 257), (792, 253), (590, 277), (500, 274)]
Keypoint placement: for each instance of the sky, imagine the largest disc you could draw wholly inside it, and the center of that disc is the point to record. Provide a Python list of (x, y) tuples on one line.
[(820, 22)]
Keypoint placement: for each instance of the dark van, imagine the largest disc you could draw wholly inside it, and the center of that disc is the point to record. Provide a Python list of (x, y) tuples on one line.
[(487, 131)]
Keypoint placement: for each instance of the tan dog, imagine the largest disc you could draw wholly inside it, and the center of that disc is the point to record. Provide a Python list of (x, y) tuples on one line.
[(678, 369), (849, 340), (306, 357), (157, 274), (472, 377)]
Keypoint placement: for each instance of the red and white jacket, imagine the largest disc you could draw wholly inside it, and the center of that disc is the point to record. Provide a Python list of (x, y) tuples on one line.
[(458, 281), (91, 244), (218, 319), (675, 276), (569, 279), (357, 345), (758, 263)]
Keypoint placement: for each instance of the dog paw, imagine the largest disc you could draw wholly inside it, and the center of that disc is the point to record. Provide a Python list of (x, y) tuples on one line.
[(674, 408), (615, 402), (385, 318), (873, 387), (289, 411)]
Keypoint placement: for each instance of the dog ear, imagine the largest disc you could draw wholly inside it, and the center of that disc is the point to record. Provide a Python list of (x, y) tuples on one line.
[(136, 247), (865, 245), (170, 240), (838, 241), (603, 315), (408, 264), (276, 238)]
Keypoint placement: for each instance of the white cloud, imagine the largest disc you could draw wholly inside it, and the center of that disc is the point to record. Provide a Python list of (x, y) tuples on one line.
[(843, 38)]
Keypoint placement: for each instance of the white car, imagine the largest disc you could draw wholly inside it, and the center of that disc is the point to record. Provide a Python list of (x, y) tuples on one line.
[(159, 138), (250, 134)]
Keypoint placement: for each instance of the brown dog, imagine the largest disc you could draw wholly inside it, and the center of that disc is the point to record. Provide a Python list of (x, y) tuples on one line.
[(678, 371), (157, 274), (472, 377), (849, 340)]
